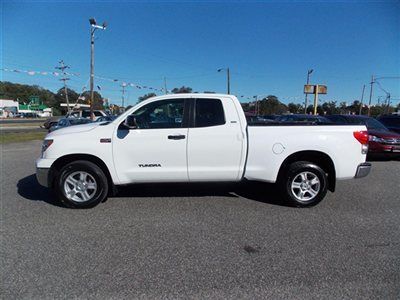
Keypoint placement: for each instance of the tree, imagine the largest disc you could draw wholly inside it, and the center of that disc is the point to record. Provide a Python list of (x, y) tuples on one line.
[(22, 92), (182, 90), (245, 106), (146, 96), (295, 108), (330, 108), (60, 97), (97, 99), (270, 105)]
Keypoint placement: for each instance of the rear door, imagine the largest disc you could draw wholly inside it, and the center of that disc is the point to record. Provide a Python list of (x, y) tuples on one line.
[(215, 141)]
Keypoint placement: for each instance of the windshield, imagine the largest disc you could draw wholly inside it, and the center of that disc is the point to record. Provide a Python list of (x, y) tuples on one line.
[(373, 124)]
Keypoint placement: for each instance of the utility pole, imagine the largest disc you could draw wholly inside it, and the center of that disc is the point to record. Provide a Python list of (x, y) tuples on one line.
[(228, 78), (256, 105), (165, 86), (370, 96), (123, 85), (62, 68), (93, 27), (388, 103), (362, 98), (308, 82)]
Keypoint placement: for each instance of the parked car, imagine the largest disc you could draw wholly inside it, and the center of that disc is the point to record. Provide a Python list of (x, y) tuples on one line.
[(303, 118), (391, 122), (28, 115), (66, 122), (197, 138), (105, 119), (50, 122), (382, 141), (86, 114)]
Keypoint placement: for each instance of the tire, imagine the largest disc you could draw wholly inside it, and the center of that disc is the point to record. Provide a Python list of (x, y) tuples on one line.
[(81, 184), (304, 184)]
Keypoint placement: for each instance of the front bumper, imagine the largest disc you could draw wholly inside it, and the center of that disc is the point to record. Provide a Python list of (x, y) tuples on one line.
[(42, 176), (363, 170)]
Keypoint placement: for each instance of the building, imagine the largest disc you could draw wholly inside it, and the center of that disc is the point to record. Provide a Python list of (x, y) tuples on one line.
[(8, 108)]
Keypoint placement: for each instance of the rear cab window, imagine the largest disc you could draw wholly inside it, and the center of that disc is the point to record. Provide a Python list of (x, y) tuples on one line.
[(209, 112)]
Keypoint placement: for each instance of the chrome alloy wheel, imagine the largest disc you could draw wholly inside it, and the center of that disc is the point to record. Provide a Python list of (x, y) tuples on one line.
[(305, 186), (80, 186)]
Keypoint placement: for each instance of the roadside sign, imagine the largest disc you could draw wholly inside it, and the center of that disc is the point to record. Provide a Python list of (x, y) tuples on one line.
[(34, 100), (322, 89), (316, 90), (311, 89)]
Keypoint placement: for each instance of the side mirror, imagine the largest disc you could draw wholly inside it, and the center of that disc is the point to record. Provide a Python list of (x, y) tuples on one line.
[(130, 122)]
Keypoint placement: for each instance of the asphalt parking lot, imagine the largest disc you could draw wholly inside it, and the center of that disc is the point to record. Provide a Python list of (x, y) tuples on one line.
[(199, 241)]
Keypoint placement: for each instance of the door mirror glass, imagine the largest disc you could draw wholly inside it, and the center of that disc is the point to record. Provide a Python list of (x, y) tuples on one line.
[(130, 122)]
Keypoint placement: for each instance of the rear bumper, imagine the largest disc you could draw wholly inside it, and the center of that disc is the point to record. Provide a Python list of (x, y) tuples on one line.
[(363, 170), (42, 176)]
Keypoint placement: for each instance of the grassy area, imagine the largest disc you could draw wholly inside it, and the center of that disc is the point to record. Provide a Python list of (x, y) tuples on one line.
[(14, 137), (28, 124)]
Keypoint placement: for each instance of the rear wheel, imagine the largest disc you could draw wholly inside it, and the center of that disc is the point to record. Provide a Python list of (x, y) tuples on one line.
[(304, 184), (81, 184)]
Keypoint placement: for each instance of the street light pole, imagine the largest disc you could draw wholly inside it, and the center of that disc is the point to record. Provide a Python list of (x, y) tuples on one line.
[(93, 27), (308, 82), (91, 71), (228, 80)]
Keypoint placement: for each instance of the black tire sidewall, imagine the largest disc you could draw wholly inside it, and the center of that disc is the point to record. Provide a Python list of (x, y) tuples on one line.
[(293, 171), (93, 170)]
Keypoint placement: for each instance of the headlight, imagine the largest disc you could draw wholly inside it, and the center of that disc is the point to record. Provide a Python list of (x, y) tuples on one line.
[(376, 139), (46, 144)]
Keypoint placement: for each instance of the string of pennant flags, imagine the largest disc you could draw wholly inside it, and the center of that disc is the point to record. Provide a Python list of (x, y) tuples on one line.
[(44, 73), (134, 85), (56, 74), (122, 83)]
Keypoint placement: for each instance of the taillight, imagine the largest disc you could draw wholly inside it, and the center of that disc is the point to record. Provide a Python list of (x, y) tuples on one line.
[(361, 136)]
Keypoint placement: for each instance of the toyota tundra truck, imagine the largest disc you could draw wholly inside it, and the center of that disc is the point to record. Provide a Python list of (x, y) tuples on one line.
[(198, 138)]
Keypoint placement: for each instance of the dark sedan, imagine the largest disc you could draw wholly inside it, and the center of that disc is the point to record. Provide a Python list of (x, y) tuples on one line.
[(303, 119), (382, 141), (66, 122)]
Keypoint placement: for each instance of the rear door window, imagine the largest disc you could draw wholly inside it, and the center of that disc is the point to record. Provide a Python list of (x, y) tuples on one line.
[(209, 112)]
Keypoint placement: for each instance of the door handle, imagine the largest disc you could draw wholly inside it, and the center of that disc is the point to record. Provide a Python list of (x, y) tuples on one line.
[(177, 137)]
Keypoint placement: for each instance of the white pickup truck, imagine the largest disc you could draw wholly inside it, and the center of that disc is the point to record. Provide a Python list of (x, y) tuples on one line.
[(198, 138)]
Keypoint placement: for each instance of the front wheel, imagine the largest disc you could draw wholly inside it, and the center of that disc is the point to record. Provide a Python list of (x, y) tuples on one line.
[(81, 184), (304, 184)]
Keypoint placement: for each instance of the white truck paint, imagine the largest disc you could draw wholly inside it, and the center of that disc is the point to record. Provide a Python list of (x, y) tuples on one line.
[(185, 149)]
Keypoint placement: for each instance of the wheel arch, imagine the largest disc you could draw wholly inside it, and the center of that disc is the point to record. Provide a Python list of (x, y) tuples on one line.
[(321, 159), (66, 159)]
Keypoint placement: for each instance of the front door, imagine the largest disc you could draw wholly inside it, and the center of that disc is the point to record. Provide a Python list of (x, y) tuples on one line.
[(156, 150)]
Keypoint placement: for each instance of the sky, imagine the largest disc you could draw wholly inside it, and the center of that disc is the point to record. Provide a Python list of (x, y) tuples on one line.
[(268, 46)]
